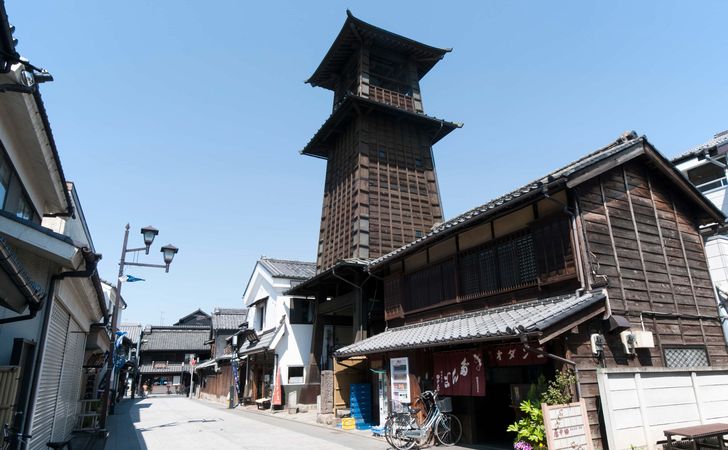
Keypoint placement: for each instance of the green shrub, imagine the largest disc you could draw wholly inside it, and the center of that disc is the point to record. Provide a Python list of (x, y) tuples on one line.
[(559, 391), (530, 428)]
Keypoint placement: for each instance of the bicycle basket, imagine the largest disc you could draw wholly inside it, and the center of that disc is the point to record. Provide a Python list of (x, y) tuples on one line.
[(444, 404)]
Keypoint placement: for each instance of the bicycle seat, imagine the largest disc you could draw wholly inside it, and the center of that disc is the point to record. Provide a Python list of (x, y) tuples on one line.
[(59, 445)]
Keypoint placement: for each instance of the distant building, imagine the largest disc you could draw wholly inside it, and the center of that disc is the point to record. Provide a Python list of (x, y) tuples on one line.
[(166, 353), (197, 318), (705, 166), (282, 326), (216, 374)]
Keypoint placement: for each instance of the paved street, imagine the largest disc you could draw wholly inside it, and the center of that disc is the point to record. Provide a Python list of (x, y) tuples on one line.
[(179, 423)]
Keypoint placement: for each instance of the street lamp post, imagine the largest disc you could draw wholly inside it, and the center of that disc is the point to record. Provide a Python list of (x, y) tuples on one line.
[(168, 252)]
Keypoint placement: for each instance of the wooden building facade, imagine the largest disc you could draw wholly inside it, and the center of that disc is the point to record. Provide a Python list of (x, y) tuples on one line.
[(381, 187), (607, 244)]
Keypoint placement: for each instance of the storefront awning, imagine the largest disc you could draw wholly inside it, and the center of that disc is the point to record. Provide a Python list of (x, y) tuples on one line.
[(208, 363), (267, 340), (501, 323)]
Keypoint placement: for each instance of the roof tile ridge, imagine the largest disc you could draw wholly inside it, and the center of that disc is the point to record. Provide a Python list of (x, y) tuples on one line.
[(496, 310), (295, 261)]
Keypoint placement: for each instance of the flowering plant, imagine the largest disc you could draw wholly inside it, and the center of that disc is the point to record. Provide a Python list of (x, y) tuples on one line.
[(522, 445)]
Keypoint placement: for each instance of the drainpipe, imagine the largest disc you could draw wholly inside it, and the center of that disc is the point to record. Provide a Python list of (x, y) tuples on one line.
[(33, 311), (524, 341), (92, 260)]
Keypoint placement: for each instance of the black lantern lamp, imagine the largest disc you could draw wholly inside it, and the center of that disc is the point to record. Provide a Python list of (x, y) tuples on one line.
[(168, 251), (149, 233)]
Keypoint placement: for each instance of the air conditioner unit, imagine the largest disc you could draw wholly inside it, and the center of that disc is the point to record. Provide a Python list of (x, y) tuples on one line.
[(643, 339), (634, 339)]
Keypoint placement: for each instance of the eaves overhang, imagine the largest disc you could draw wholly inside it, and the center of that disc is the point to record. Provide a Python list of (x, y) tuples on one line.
[(352, 105), (58, 248), (353, 33)]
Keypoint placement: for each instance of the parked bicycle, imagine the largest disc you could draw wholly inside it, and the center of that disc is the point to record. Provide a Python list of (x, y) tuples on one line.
[(11, 436), (403, 431)]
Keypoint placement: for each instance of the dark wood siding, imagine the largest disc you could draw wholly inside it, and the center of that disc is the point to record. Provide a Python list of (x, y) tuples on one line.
[(216, 386), (381, 189), (642, 239)]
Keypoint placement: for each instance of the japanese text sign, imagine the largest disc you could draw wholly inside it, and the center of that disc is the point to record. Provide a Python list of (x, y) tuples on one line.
[(459, 373), (399, 372), (513, 355), (567, 426)]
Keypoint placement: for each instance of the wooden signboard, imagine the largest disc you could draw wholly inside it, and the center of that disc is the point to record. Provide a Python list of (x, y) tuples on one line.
[(507, 355), (567, 426)]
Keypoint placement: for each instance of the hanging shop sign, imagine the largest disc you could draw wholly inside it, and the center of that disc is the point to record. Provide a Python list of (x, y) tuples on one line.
[(567, 426), (399, 372), (235, 364), (513, 355), (459, 373)]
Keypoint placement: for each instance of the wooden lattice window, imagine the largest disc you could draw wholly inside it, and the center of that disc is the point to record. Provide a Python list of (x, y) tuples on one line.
[(504, 264), (554, 255), (430, 286)]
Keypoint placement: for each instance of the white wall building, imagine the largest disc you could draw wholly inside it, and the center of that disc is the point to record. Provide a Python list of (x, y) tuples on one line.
[(283, 326), (705, 166), (51, 298)]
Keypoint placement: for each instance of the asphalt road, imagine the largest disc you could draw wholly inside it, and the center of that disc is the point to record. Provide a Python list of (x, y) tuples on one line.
[(177, 423)]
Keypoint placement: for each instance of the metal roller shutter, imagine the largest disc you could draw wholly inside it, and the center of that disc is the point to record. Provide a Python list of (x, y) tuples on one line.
[(50, 378), (69, 392)]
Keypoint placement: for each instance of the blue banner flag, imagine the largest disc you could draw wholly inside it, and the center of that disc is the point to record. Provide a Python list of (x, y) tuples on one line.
[(130, 279)]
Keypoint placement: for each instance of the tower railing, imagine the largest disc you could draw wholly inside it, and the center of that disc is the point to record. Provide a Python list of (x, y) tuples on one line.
[(392, 98)]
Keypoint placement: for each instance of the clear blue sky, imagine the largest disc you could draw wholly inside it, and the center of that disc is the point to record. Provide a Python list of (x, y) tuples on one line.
[(189, 115)]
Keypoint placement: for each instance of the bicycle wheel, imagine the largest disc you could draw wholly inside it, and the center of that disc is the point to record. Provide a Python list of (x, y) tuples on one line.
[(448, 429), (393, 434)]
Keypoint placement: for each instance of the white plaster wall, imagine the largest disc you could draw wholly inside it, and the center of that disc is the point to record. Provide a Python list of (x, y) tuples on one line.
[(294, 347), (719, 198), (716, 249)]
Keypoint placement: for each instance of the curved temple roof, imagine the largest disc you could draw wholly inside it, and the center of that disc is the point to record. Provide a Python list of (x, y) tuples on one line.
[(348, 41)]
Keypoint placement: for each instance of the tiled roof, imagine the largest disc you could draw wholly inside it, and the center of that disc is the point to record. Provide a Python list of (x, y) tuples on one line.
[(306, 286), (175, 338), (265, 340), (626, 142), (502, 322), (170, 368), (228, 318), (719, 139), (195, 318), (133, 331), (282, 268)]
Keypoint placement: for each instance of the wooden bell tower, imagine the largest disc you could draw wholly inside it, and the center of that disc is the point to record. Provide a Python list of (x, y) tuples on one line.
[(381, 187)]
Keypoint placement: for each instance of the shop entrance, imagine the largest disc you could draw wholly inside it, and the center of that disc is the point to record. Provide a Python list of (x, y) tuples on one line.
[(506, 388)]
